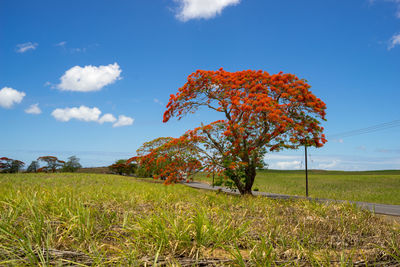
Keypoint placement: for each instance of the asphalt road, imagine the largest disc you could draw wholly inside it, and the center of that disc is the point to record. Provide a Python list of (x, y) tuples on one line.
[(393, 210)]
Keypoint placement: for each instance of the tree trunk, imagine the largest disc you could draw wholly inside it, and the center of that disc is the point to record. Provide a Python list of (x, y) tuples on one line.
[(245, 189), (250, 177), (246, 192), (240, 186)]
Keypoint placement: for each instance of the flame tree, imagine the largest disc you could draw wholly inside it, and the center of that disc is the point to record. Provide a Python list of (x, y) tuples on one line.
[(122, 167), (171, 159), (8, 165), (261, 113), (53, 164)]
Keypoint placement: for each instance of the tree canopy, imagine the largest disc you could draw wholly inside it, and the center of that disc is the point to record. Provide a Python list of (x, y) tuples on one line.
[(8, 165), (121, 167), (260, 113), (33, 167), (171, 159), (72, 164), (53, 164)]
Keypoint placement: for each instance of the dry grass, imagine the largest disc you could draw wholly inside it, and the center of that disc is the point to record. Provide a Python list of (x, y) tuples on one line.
[(92, 219)]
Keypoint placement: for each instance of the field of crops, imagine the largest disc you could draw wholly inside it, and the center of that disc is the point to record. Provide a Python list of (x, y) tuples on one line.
[(95, 219), (368, 186)]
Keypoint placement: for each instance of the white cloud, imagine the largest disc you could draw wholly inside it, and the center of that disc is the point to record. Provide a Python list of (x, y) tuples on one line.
[(62, 44), (22, 48), (107, 118), (87, 114), (89, 78), (33, 109), (395, 40), (202, 9), (9, 97), (275, 156), (328, 165), (123, 121), (82, 113), (284, 165), (346, 162)]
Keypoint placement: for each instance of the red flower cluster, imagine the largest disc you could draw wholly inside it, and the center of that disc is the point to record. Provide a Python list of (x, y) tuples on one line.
[(171, 159)]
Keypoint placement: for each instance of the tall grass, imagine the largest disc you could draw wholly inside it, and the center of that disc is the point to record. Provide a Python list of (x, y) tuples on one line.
[(369, 186), (92, 219)]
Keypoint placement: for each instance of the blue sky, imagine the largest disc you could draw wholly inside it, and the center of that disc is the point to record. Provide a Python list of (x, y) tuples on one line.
[(91, 78)]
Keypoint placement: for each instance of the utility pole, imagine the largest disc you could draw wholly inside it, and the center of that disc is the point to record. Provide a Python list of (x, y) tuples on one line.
[(305, 152)]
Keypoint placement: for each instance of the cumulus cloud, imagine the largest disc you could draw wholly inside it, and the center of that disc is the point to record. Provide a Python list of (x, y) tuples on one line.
[(284, 165), (89, 78), (22, 48), (82, 113), (87, 114), (202, 9), (328, 165), (33, 109), (10, 96), (394, 41), (123, 121), (107, 118)]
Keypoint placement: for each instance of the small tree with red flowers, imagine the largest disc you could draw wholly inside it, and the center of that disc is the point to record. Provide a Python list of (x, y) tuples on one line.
[(53, 164), (8, 165), (171, 159)]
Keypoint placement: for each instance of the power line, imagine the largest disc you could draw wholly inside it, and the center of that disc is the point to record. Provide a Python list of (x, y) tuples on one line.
[(374, 128)]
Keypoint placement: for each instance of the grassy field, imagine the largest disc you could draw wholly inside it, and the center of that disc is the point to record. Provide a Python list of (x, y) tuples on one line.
[(95, 219), (369, 186)]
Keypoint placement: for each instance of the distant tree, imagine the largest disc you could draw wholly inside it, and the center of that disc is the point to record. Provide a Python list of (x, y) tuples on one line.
[(33, 167), (5, 164), (8, 165), (53, 164), (122, 167), (16, 166), (144, 167), (72, 164)]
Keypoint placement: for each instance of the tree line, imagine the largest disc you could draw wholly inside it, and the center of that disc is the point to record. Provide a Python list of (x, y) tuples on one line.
[(51, 164)]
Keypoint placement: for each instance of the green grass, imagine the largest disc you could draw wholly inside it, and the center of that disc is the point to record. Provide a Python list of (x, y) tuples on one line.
[(94, 219), (368, 186)]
